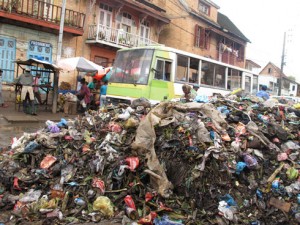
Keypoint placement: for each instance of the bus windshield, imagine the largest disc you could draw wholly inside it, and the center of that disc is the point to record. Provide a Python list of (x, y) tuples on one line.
[(132, 66)]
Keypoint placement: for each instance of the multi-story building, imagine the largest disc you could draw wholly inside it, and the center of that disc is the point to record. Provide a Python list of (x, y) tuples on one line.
[(197, 26), (30, 28), (120, 24)]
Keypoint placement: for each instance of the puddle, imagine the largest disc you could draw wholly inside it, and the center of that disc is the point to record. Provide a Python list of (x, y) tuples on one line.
[(9, 131)]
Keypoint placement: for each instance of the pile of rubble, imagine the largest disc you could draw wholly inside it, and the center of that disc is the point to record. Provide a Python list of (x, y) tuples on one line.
[(231, 161)]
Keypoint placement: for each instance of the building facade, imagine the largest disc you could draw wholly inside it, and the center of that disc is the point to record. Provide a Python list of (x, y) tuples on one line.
[(97, 29), (196, 26)]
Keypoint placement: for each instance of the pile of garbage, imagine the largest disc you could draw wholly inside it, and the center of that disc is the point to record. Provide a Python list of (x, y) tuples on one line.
[(230, 161)]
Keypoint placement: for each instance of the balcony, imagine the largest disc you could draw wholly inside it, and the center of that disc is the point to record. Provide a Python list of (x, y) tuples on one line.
[(44, 16), (117, 38)]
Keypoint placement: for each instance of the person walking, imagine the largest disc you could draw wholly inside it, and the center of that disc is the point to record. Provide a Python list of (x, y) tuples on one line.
[(2, 104), (27, 95)]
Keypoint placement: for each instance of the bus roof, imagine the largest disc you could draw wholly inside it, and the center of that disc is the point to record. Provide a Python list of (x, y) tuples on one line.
[(170, 49)]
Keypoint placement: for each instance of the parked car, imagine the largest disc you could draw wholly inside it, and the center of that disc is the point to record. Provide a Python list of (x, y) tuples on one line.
[(288, 100)]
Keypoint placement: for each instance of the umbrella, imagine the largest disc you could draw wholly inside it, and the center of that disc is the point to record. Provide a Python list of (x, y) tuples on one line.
[(80, 64)]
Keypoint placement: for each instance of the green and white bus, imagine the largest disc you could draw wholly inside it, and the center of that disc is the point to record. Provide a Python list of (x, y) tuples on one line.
[(158, 73)]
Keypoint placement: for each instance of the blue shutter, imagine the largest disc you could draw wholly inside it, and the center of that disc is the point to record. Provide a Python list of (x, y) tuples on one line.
[(7, 58)]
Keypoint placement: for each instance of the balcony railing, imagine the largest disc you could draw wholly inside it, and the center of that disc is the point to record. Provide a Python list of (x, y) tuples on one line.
[(42, 10), (108, 35)]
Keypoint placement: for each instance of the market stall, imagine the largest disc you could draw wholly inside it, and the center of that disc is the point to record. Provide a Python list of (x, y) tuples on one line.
[(48, 81)]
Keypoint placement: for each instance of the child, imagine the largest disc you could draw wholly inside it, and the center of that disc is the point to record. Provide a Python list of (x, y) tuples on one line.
[(103, 90)]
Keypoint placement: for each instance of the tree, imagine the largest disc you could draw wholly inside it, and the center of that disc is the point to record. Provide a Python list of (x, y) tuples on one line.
[(292, 78)]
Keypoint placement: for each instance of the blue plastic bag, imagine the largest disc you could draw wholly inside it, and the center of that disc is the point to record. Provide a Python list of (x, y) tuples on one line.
[(240, 166), (166, 221)]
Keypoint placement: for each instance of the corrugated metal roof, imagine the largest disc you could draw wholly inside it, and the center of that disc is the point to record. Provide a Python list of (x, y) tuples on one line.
[(227, 24)]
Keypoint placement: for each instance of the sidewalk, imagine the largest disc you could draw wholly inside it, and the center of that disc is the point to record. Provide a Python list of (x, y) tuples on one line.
[(12, 115)]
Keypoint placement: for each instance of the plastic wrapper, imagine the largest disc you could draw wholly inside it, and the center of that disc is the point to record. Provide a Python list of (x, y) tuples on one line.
[(47, 162)]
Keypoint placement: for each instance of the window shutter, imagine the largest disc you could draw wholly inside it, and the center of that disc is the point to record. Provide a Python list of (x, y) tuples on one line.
[(241, 53), (196, 36), (202, 37)]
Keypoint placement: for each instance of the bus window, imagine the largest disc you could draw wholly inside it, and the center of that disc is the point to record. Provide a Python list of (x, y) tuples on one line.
[(163, 70), (193, 72), (182, 68), (132, 67), (207, 72), (234, 79), (219, 80)]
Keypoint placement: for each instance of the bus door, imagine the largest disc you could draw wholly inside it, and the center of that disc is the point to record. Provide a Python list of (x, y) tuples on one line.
[(161, 87)]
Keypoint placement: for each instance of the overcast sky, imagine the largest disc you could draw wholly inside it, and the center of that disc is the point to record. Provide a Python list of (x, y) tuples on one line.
[(264, 22)]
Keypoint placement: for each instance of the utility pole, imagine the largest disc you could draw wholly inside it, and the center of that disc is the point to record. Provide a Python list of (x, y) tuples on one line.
[(58, 56), (282, 65)]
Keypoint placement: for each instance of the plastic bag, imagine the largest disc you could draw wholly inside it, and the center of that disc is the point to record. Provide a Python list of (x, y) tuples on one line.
[(104, 205)]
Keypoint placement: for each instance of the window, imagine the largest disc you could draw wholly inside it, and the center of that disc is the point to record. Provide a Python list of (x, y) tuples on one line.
[(182, 68), (163, 70), (294, 88), (255, 84), (101, 61), (213, 74), (144, 32), (194, 71), (269, 70), (204, 8), (247, 84), (234, 79), (219, 79), (133, 67), (105, 17), (207, 73), (201, 37)]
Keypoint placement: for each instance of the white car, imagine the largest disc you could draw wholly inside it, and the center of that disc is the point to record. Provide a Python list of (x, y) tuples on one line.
[(288, 100)]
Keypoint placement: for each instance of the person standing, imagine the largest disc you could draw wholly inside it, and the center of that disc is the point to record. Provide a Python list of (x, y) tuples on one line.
[(27, 95), (36, 92), (2, 104), (103, 91), (84, 95), (263, 93)]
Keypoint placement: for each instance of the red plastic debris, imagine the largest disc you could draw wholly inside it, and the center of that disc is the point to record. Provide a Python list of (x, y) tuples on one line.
[(16, 184), (129, 202), (148, 220), (133, 162), (98, 183)]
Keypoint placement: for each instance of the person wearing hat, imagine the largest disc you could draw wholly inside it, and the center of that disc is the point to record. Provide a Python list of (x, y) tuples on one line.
[(27, 95), (195, 89), (263, 93), (2, 104)]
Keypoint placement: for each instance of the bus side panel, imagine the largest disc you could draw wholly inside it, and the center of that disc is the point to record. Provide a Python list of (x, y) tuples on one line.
[(161, 90), (128, 90)]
